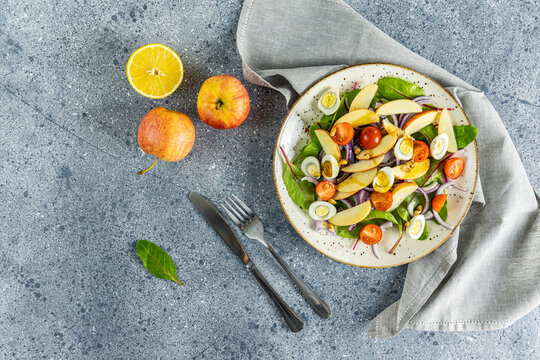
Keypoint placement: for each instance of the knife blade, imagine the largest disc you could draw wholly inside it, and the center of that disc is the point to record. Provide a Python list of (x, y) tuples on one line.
[(220, 225), (218, 222)]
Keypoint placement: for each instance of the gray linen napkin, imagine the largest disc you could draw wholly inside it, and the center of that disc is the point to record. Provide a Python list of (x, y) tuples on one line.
[(487, 275)]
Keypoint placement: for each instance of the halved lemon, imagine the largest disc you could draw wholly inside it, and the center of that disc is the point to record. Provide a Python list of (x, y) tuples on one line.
[(155, 71)]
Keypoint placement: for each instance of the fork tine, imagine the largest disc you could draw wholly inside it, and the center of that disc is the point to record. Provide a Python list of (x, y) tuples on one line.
[(241, 218), (245, 207), (231, 215), (243, 212)]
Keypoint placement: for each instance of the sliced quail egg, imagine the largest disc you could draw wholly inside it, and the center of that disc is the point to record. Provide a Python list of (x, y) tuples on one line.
[(439, 146), (329, 101), (311, 167), (404, 148), (416, 227), (384, 179), (330, 167), (321, 210)]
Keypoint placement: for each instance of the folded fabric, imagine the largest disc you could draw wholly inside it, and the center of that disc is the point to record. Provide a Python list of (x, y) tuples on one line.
[(487, 275)]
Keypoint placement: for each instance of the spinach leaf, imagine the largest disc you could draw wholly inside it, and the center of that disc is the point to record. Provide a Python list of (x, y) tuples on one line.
[(324, 123), (377, 214), (393, 88), (311, 149), (157, 261), (304, 193), (444, 211), (465, 135), (437, 175), (342, 109), (425, 234), (402, 213), (426, 134), (344, 231)]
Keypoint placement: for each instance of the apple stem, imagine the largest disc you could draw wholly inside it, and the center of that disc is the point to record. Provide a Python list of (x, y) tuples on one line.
[(218, 104), (151, 166)]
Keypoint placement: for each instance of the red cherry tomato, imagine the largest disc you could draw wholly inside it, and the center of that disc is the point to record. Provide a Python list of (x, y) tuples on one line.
[(370, 137), (325, 190), (438, 202), (420, 151), (382, 201), (342, 133), (371, 234), (453, 167)]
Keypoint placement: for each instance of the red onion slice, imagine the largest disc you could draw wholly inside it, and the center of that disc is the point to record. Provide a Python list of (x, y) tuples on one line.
[(440, 221), (374, 250), (428, 215), (443, 187), (426, 208), (310, 179)]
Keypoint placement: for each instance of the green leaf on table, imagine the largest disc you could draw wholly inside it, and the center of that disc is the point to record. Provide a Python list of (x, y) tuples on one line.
[(465, 134), (157, 261), (393, 88), (301, 192)]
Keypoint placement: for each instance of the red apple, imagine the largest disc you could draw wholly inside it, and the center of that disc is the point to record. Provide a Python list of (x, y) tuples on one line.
[(168, 135), (223, 102)]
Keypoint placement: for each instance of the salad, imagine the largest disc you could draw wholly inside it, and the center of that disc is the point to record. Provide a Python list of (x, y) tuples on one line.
[(379, 157)]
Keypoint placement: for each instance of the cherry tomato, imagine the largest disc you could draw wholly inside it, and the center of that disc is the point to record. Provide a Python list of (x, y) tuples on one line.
[(325, 190), (371, 234), (370, 137), (420, 151), (382, 201), (438, 202), (453, 167), (342, 133)]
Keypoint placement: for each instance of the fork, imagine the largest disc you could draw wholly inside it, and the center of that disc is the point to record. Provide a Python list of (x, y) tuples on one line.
[(253, 228)]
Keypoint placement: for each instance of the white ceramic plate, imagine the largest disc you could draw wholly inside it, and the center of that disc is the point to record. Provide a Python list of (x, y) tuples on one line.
[(293, 136)]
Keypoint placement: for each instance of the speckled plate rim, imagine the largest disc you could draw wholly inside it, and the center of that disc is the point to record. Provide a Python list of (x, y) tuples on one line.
[(275, 157)]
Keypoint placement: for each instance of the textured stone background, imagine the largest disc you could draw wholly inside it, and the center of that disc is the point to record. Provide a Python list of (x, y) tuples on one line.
[(72, 206)]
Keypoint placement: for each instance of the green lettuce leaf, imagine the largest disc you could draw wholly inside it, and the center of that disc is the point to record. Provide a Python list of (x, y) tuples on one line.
[(465, 135), (393, 88), (303, 194)]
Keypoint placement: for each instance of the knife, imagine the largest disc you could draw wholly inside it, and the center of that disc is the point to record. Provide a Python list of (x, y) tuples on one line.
[(217, 221)]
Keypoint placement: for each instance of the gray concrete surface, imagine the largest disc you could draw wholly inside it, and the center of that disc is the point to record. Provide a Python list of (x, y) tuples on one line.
[(72, 206)]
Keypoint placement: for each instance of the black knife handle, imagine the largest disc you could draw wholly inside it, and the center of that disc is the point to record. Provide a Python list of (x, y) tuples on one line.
[(291, 318)]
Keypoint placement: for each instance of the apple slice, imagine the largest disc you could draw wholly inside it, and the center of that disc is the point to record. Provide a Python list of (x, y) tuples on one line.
[(402, 106), (400, 192), (364, 97), (357, 181), (386, 144), (405, 172), (420, 121), (359, 118), (343, 195), (446, 127), (328, 144), (351, 216), (391, 128), (363, 165)]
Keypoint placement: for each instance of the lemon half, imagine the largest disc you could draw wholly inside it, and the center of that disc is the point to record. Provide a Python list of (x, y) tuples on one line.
[(155, 71)]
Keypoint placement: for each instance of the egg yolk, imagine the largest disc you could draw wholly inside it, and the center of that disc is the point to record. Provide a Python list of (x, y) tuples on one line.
[(328, 100), (406, 146), (382, 182), (327, 169), (416, 227), (321, 211)]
